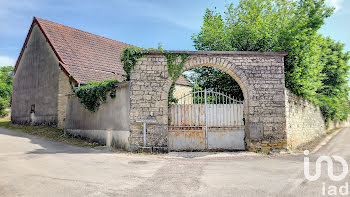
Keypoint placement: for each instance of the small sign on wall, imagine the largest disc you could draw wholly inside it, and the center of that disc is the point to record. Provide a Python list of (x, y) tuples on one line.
[(256, 130)]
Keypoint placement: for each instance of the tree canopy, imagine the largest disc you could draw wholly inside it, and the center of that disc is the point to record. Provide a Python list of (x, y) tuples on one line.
[(5, 88), (215, 79), (316, 67)]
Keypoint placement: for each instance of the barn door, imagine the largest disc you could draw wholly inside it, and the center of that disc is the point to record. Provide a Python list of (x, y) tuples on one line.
[(206, 120)]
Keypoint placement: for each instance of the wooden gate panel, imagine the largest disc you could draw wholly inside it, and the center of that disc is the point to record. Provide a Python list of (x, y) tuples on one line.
[(215, 124), (187, 115), (224, 115)]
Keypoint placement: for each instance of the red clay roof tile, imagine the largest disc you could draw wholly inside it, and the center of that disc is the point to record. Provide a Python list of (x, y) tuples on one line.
[(88, 57), (183, 81), (85, 56)]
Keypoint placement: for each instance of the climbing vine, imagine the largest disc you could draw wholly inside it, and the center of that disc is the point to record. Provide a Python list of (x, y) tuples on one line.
[(129, 57), (171, 98), (93, 94), (174, 69)]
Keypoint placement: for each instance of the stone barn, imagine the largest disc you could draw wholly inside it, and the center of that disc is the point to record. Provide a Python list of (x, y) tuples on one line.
[(56, 58)]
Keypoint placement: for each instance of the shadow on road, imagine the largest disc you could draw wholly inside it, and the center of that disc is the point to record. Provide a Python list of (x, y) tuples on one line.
[(48, 146)]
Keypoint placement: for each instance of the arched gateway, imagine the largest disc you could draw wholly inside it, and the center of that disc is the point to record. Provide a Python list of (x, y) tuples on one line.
[(259, 74)]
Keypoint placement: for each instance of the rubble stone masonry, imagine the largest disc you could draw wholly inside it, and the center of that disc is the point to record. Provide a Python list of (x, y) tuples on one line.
[(305, 121)]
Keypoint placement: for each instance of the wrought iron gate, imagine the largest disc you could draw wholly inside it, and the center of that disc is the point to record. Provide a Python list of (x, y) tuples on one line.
[(206, 120)]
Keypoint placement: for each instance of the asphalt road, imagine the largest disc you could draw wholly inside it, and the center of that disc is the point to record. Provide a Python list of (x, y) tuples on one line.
[(31, 166)]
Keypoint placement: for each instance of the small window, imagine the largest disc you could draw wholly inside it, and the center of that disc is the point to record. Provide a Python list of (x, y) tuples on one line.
[(32, 109)]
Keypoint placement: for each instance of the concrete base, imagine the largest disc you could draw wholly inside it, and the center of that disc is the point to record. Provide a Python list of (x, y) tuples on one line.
[(117, 139)]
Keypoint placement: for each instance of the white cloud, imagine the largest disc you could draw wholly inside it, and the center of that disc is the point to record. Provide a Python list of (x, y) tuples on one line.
[(7, 61), (338, 4)]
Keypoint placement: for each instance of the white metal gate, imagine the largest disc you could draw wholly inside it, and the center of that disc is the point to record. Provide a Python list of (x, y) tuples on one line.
[(206, 120)]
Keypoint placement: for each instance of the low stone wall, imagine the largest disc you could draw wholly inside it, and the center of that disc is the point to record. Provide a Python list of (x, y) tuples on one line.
[(109, 124)]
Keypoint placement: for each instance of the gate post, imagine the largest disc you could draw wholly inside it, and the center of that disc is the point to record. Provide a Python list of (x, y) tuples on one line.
[(149, 88)]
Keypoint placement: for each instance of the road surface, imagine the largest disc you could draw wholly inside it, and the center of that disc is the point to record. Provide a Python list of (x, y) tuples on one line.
[(31, 166)]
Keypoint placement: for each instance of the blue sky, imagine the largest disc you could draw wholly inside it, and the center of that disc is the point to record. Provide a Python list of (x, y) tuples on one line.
[(143, 23)]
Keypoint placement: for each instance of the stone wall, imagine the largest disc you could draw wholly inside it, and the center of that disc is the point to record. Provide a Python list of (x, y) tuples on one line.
[(149, 100), (260, 76), (304, 121), (111, 117), (337, 124)]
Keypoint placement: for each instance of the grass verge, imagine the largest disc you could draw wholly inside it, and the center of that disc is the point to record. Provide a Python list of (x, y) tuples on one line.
[(50, 133)]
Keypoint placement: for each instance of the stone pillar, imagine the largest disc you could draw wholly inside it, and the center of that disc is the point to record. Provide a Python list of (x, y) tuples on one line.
[(149, 100), (266, 103)]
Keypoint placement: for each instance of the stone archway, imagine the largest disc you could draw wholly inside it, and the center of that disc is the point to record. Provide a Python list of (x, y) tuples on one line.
[(260, 76)]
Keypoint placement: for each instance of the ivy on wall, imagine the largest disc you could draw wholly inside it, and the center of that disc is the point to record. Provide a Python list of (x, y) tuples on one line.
[(171, 98), (93, 94), (174, 69), (131, 55)]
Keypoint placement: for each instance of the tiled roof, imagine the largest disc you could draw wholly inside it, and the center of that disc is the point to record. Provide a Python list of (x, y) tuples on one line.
[(183, 81), (82, 55), (88, 57)]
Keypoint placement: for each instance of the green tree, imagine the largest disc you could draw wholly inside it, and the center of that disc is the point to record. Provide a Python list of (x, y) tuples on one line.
[(333, 96), (215, 79), (282, 25), (6, 78), (271, 25), (3, 106)]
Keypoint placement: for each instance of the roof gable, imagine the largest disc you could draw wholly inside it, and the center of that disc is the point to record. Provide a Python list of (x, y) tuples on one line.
[(84, 56)]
